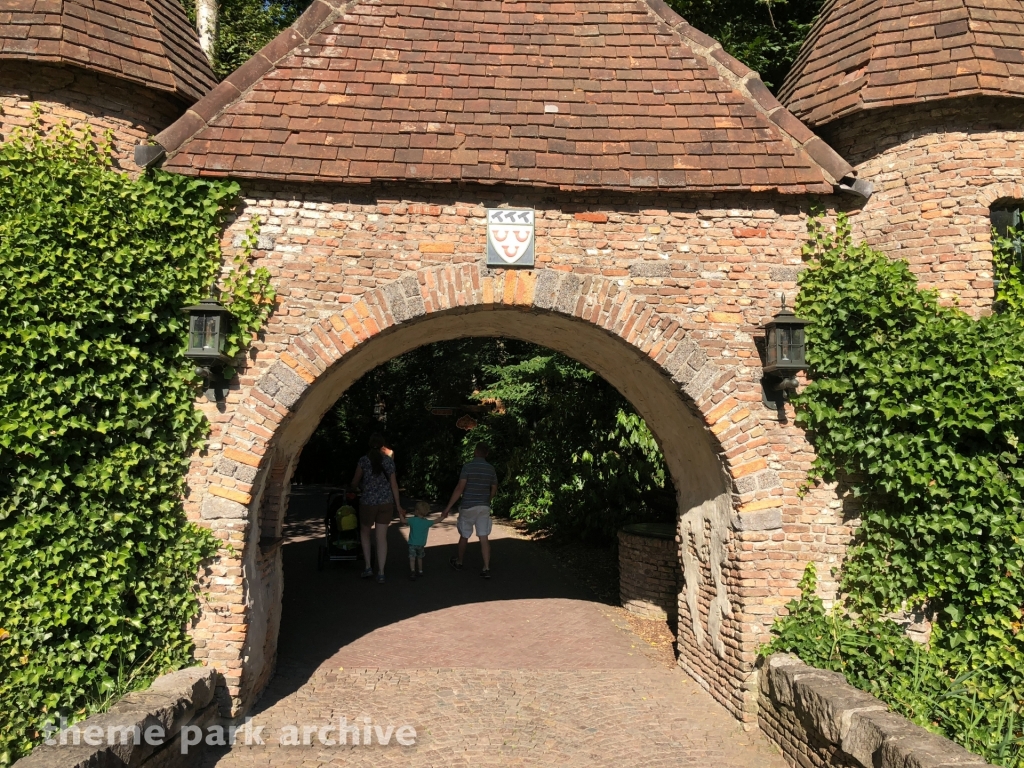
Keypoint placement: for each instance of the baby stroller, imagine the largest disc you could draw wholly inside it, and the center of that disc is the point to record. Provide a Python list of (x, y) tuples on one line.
[(341, 531)]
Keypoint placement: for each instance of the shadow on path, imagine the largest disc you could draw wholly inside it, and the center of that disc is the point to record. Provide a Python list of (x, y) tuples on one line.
[(525, 669), (334, 615)]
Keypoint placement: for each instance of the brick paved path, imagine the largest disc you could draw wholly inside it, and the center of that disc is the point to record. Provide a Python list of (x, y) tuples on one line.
[(522, 670)]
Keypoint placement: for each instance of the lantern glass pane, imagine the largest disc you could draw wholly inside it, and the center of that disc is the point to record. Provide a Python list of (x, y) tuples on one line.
[(771, 352), (205, 330), (785, 345), (798, 346)]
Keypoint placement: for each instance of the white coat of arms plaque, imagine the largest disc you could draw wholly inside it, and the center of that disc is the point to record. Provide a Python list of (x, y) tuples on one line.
[(509, 237)]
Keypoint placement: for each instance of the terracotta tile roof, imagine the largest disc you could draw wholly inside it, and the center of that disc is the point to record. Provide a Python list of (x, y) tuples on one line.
[(145, 41), (864, 54), (589, 94)]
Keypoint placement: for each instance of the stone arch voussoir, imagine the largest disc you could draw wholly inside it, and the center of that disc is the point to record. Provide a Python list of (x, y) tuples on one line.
[(709, 387), (1007, 190)]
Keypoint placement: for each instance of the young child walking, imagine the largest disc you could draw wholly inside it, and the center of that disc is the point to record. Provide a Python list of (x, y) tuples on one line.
[(419, 527)]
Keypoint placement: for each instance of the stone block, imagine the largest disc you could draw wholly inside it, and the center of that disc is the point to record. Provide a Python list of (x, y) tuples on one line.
[(867, 731), (701, 380), (762, 520), (172, 701), (780, 672), (198, 684), (395, 296), (568, 294), (650, 269), (917, 748), (414, 305), (546, 293), (226, 468), (824, 701), (282, 384), (218, 508), (784, 274)]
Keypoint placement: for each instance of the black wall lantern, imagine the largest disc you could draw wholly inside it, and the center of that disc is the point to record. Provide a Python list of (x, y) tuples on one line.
[(785, 356), (207, 334)]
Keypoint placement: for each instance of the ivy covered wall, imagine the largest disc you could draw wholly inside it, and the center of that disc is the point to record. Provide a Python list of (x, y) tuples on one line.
[(98, 564), (916, 410)]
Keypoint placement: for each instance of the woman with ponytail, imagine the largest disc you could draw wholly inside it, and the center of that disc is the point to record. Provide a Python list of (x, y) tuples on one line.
[(378, 501)]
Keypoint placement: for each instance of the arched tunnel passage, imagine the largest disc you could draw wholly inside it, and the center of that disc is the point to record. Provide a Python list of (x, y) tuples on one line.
[(691, 453), (574, 461)]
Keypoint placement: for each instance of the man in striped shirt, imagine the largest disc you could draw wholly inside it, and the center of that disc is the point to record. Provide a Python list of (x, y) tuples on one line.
[(477, 486)]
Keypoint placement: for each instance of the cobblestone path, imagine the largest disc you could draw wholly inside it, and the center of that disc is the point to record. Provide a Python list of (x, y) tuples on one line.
[(522, 670)]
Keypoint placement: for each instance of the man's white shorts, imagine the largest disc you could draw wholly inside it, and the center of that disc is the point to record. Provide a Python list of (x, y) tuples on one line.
[(474, 517)]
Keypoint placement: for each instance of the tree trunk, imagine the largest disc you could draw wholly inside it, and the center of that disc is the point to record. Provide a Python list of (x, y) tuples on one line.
[(206, 25)]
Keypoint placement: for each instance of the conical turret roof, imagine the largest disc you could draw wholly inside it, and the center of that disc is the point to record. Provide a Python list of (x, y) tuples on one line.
[(149, 42), (867, 54)]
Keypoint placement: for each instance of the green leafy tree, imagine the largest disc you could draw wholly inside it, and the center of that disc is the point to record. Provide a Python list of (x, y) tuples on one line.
[(245, 26), (572, 455), (395, 399), (766, 35), (98, 563), (1008, 268)]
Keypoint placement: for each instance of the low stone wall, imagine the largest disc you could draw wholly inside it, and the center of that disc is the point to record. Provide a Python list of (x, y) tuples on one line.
[(649, 571), (819, 720), (151, 720)]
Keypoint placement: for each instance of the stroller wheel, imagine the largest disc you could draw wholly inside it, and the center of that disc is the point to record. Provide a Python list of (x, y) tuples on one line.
[(321, 558)]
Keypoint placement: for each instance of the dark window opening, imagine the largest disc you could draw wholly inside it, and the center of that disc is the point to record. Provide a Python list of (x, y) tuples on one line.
[(1007, 246)]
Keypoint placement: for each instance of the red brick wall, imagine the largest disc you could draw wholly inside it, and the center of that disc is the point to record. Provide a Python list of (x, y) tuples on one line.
[(649, 576), (661, 296), (133, 112), (937, 168)]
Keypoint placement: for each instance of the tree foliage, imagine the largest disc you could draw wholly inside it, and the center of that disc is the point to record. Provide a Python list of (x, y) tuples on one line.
[(1008, 268), (394, 398), (572, 456), (918, 411), (766, 35), (245, 26), (97, 561)]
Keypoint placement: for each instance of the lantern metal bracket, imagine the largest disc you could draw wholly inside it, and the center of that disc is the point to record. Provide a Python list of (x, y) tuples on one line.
[(782, 357), (775, 390), (216, 385)]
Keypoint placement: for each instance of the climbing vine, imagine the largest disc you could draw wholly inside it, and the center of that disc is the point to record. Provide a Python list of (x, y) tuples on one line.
[(1008, 269), (917, 411), (98, 563)]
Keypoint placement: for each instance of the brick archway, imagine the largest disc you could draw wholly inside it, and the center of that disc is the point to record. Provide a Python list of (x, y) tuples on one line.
[(703, 414)]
